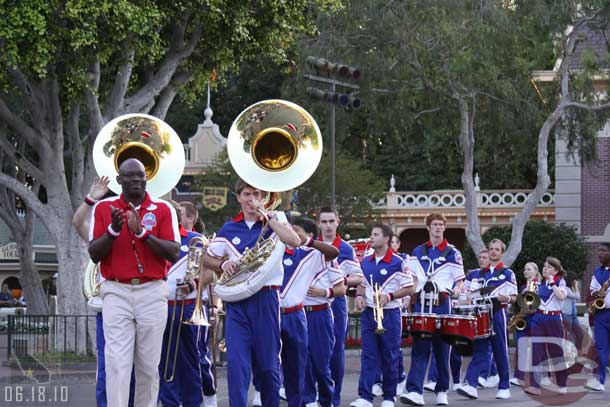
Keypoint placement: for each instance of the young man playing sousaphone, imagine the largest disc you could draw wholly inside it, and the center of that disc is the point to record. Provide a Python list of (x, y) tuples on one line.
[(252, 325)]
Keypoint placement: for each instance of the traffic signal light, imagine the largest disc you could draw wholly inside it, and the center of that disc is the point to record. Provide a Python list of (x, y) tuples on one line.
[(342, 99), (342, 72)]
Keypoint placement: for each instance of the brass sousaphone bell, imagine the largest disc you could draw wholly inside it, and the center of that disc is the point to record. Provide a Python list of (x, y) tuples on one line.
[(274, 146), (154, 143)]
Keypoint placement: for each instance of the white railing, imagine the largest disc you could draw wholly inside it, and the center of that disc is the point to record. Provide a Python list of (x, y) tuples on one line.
[(456, 199)]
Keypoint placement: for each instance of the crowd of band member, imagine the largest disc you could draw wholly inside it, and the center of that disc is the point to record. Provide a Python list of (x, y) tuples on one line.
[(288, 339)]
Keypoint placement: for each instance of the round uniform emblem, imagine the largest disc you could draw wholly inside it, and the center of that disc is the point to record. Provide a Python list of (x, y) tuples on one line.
[(149, 221), (501, 276), (288, 262), (184, 248), (383, 272), (236, 240)]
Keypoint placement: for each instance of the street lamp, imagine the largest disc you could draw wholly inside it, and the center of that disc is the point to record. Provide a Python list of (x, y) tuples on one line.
[(332, 75)]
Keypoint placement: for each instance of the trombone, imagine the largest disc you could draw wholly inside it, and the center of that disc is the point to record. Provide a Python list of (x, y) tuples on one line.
[(194, 269), (377, 308)]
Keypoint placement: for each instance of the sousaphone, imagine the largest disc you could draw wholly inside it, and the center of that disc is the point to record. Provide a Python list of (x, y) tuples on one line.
[(274, 146), (154, 143)]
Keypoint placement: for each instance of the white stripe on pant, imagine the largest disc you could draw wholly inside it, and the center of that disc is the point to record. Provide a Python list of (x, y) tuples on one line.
[(134, 321)]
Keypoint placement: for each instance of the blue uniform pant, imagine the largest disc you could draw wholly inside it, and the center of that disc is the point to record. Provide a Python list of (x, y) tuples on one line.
[(294, 356), (376, 348), (185, 388), (206, 364), (480, 359), (337, 361), (420, 355), (547, 326), (601, 333), (519, 374), (100, 385), (401, 370), (492, 369), (252, 331), (321, 340), (455, 363)]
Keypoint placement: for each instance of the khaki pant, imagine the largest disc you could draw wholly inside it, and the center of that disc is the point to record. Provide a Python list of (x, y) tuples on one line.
[(134, 321)]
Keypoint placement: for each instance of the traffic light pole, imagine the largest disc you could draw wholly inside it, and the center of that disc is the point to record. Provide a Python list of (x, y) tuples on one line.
[(348, 101), (333, 161)]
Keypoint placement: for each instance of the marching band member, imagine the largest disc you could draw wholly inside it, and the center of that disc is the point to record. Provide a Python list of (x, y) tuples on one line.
[(489, 375), (402, 377), (546, 322), (184, 388), (497, 282), (321, 331), (81, 220), (532, 275), (387, 280), (436, 267), (601, 328), (134, 237), (328, 222), (190, 218), (301, 264), (252, 325)]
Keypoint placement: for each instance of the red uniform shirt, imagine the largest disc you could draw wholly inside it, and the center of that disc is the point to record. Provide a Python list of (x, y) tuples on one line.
[(157, 217)]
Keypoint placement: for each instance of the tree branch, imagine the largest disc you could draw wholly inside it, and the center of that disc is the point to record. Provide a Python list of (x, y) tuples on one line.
[(77, 154), (473, 227), (115, 100), (29, 198), (169, 93), (30, 135), (164, 75), (21, 161)]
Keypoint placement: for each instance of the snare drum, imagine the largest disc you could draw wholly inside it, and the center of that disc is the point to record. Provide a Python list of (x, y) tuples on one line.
[(422, 326), (405, 325), (483, 315), (459, 331)]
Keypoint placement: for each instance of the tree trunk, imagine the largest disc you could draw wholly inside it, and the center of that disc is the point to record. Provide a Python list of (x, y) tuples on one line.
[(31, 283), (473, 227)]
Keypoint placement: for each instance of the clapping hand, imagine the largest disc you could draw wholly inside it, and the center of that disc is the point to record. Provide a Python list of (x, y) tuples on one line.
[(118, 219)]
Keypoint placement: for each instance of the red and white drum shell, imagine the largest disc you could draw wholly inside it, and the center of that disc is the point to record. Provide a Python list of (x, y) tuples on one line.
[(483, 315), (459, 331), (422, 326)]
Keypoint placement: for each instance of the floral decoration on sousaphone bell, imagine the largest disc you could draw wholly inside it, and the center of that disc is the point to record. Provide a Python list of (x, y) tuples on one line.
[(146, 138)]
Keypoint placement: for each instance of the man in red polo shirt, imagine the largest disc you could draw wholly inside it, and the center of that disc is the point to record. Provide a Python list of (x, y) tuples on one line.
[(134, 238)]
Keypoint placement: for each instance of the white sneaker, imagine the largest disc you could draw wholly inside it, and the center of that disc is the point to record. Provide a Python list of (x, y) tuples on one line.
[(377, 390), (468, 391), (562, 390), (492, 381), (282, 393), (515, 382), (412, 399), (209, 401), (456, 386), (361, 403), (545, 381), (256, 401), (482, 381), (595, 385), (441, 398), (430, 386), (313, 404), (400, 387), (387, 403), (503, 394)]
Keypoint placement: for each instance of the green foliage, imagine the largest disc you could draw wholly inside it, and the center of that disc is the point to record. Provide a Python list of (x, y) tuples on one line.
[(64, 40), (540, 240), (357, 189), (417, 57)]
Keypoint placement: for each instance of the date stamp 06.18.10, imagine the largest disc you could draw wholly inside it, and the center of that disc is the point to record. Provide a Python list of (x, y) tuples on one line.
[(25, 395)]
